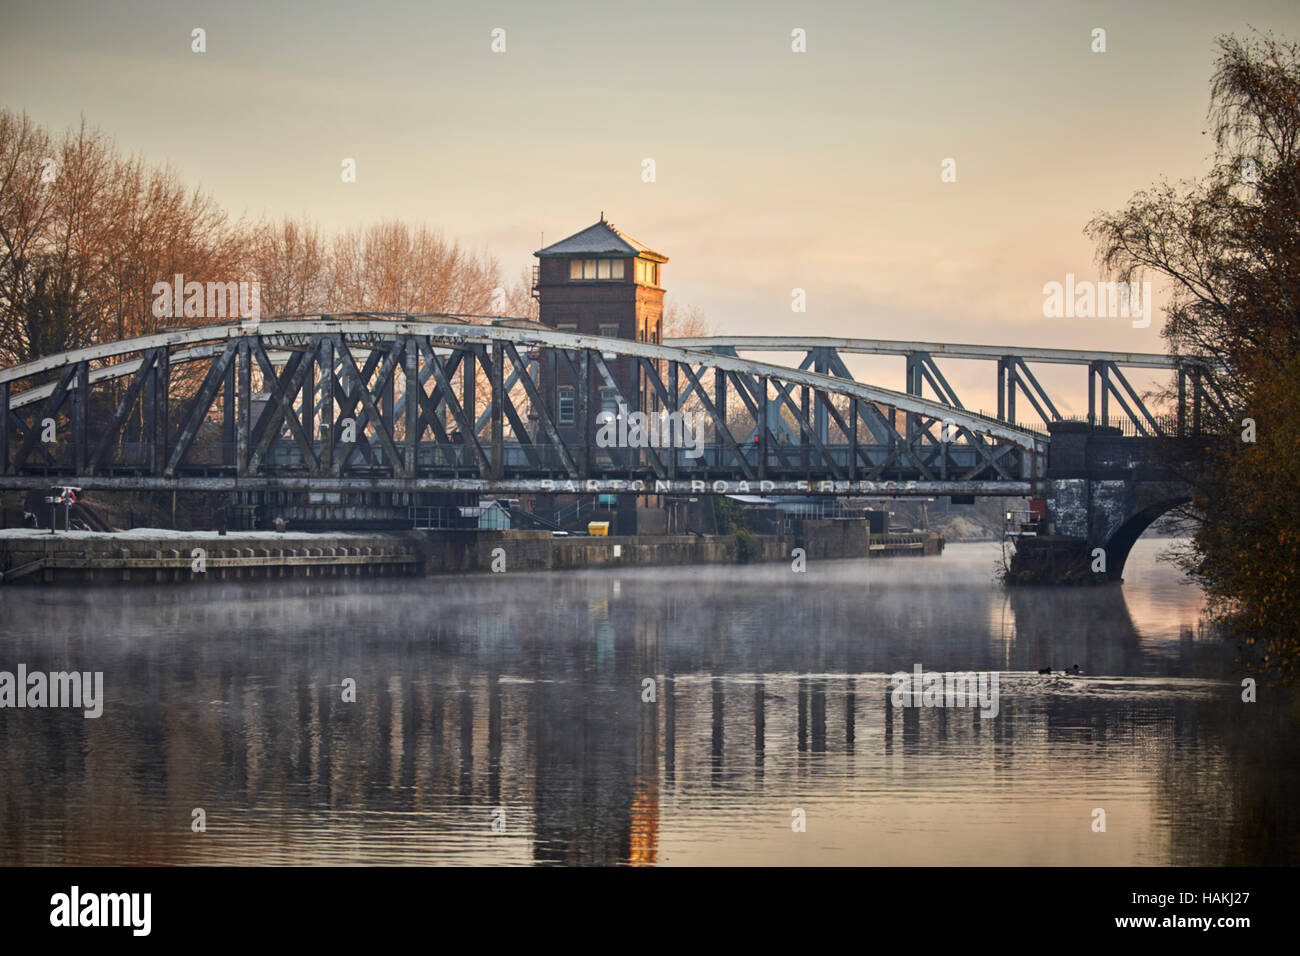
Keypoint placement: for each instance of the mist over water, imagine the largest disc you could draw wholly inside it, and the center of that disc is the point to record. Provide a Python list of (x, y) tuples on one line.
[(524, 692)]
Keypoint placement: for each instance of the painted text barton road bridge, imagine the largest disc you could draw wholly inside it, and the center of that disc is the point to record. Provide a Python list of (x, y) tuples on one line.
[(410, 405)]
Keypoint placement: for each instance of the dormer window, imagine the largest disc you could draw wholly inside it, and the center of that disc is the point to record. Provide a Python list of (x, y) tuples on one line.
[(586, 269)]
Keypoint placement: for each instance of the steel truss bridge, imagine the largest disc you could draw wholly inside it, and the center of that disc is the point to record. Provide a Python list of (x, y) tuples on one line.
[(398, 403), (1199, 398)]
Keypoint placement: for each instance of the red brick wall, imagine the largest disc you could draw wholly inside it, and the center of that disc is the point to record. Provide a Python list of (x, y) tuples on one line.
[(636, 309)]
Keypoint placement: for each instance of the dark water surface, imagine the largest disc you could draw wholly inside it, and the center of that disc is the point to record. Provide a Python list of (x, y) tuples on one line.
[(517, 698)]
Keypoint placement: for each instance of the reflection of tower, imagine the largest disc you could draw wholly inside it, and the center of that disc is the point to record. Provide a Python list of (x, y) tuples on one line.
[(590, 805), (643, 838), (605, 645)]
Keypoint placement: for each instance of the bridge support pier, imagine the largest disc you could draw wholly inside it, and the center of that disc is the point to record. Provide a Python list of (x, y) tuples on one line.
[(1103, 491)]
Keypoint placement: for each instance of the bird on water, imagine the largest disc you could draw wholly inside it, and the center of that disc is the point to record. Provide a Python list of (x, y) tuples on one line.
[(1072, 670)]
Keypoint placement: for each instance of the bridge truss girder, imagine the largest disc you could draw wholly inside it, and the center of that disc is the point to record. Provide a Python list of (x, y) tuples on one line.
[(477, 408), (1201, 405)]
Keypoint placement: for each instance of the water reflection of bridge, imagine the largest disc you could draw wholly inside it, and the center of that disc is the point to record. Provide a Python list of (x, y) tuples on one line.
[(535, 707)]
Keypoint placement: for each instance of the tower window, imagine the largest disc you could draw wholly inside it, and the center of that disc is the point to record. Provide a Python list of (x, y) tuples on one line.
[(607, 269), (609, 330), (647, 272), (565, 408)]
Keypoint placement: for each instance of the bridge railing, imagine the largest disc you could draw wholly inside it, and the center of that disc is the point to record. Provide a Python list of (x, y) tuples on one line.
[(1167, 425)]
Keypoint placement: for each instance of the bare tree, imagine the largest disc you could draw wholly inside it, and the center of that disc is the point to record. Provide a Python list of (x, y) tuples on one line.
[(518, 301), (85, 234), (156, 229), (394, 267), (291, 261), (26, 158), (686, 321)]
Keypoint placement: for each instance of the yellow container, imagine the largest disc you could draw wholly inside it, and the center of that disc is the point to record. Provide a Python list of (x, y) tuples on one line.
[(598, 527)]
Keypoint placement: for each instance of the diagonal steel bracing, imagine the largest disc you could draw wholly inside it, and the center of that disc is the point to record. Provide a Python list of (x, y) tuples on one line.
[(810, 424)]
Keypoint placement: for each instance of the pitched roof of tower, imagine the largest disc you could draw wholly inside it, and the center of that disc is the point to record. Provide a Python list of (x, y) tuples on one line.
[(602, 238)]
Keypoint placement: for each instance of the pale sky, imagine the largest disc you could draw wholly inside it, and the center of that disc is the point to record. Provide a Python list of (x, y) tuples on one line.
[(774, 169)]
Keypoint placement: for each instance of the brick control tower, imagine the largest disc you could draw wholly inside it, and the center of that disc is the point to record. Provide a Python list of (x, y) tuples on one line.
[(600, 281)]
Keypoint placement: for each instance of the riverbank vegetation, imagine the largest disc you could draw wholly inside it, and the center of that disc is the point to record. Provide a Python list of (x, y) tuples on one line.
[(729, 518), (1228, 245)]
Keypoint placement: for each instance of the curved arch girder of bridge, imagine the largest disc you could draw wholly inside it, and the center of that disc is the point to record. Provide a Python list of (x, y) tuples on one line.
[(407, 404)]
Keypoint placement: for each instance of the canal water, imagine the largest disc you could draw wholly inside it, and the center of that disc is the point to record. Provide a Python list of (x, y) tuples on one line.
[(507, 719)]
